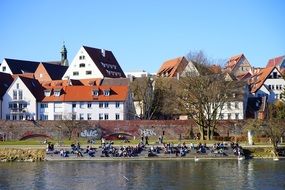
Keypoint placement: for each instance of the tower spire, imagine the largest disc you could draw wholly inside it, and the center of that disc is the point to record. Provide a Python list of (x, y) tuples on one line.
[(63, 52)]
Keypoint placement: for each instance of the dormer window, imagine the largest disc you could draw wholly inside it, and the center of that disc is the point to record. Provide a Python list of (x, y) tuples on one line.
[(57, 92), (47, 92), (107, 92), (95, 92), (81, 65)]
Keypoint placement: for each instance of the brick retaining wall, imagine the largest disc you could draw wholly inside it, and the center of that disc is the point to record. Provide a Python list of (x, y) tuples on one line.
[(172, 128)]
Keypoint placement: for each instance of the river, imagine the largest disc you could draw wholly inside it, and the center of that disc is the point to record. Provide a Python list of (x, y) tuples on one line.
[(144, 175)]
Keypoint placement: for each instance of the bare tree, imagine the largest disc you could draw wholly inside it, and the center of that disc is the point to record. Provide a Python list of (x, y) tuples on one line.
[(272, 127), (142, 89), (204, 95)]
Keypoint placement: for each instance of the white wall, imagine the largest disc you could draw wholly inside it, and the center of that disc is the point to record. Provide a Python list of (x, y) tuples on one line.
[(82, 108), (89, 66), (27, 97), (4, 64)]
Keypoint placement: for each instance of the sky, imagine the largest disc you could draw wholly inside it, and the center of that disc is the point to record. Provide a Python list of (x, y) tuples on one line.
[(143, 34)]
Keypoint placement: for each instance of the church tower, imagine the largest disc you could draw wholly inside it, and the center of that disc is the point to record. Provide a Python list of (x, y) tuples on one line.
[(64, 60)]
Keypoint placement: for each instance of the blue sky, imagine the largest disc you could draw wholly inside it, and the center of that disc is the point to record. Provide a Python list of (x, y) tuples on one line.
[(143, 34)]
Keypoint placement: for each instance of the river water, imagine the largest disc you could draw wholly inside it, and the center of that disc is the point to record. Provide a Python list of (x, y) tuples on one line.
[(145, 175)]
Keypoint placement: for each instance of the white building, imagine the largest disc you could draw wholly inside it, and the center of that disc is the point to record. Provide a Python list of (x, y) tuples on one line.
[(93, 63), (268, 82), (20, 99), (85, 103)]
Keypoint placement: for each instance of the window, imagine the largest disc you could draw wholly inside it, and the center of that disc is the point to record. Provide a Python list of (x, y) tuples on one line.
[(117, 104), (106, 104), (89, 116), (7, 117), (57, 92), (81, 57), (229, 116), (14, 94), (81, 104), (106, 116), (14, 117), (272, 87), (100, 116), (47, 92), (20, 94), (75, 73), (43, 117), (81, 65), (17, 85), (41, 75), (4, 69), (100, 104), (21, 117), (74, 105), (10, 105), (95, 92), (81, 116), (89, 105), (275, 75), (57, 117), (236, 105), (117, 116), (106, 92), (57, 105), (269, 87), (237, 116), (88, 72), (73, 117), (43, 105)]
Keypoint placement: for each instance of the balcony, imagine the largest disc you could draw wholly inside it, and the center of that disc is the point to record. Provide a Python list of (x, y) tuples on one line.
[(18, 110)]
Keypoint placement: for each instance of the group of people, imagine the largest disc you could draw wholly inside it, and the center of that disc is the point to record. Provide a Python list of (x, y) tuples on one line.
[(108, 150)]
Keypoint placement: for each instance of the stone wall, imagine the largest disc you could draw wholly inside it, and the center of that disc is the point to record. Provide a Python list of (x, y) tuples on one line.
[(172, 129)]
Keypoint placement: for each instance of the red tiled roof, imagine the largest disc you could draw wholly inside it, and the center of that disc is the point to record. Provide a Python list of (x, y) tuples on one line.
[(262, 76), (275, 61), (233, 61), (170, 68), (85, 93)]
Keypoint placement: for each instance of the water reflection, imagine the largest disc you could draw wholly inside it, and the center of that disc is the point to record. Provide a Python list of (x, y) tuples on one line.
[(211, 174)]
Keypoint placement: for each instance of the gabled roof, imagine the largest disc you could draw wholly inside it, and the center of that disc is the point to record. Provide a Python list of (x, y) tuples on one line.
[(171, 67), (262, 76), (275, 61), (34, 86), (55, 71), (22, 66), (232, 62), (5, 82), (107, 63)]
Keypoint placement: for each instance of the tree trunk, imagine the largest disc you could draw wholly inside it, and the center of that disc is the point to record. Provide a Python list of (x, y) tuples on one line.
[(201, 130), (212, 133), (208, 133)]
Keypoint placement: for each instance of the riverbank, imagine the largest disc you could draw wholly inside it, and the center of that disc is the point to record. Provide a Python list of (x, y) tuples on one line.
[(38, 153), (28, 154)]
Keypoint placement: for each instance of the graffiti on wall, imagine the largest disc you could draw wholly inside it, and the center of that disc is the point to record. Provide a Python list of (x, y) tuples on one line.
[(91, 133), (147, 132)]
